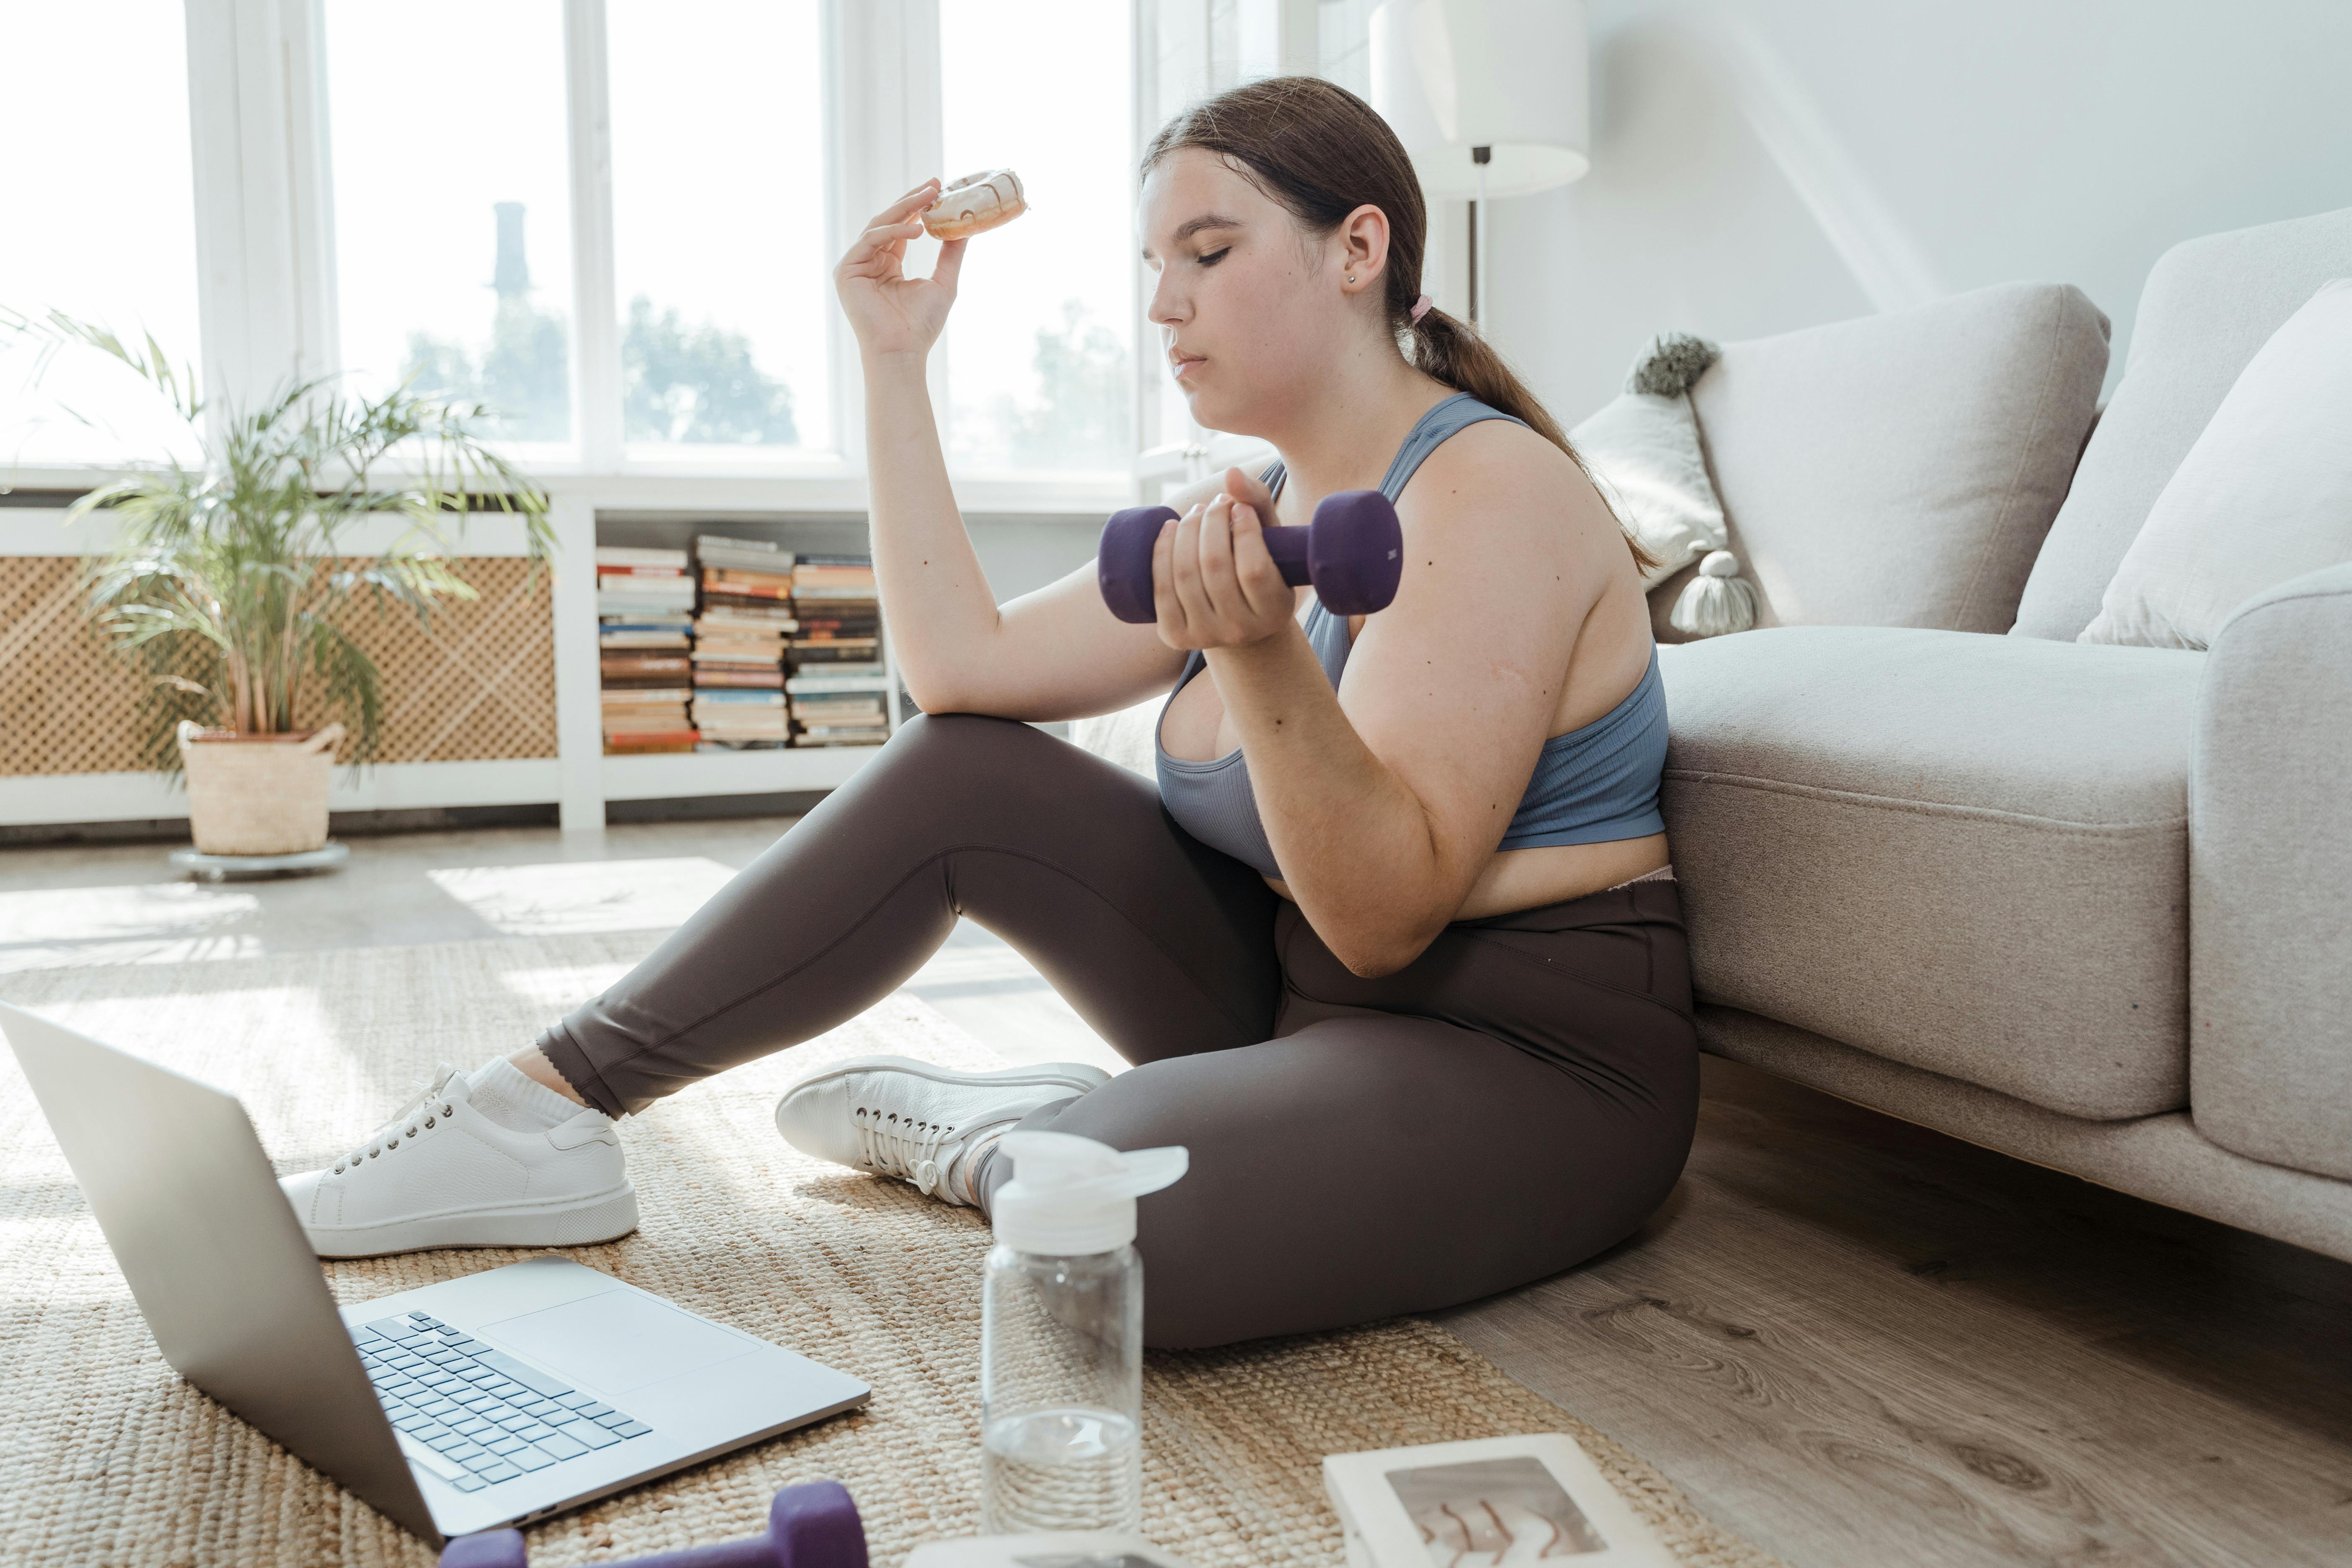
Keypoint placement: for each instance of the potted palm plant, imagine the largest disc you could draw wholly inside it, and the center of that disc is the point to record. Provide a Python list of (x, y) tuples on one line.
[(234, 583)]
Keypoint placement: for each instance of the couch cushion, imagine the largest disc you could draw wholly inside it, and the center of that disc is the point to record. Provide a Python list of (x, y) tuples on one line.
[(2262, 497), (2208, 304), (1962, 852), (1901, 469)]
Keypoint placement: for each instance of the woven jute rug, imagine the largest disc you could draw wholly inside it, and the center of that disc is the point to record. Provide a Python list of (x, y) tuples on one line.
[(107, 1457)]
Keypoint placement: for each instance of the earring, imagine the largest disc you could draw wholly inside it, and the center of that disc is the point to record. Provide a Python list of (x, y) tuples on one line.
[(1351, 278)]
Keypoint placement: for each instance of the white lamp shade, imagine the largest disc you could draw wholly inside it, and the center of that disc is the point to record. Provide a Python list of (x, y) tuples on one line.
[(1451, 75)]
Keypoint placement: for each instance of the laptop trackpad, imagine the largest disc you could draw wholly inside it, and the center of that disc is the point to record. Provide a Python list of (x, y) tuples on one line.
[(618, 1340)]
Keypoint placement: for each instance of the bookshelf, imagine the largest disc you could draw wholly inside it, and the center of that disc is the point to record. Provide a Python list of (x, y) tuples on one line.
[(1019, 552), (707, 772)]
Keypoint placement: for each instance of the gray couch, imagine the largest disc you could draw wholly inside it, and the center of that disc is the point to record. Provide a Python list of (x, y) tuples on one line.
[(2085, 904)]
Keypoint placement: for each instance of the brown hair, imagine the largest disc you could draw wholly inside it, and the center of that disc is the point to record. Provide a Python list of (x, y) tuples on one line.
[(1322, 152)]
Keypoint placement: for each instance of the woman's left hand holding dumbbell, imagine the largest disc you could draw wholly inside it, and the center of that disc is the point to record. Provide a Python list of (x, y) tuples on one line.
[(1213, 581), (890, 312)]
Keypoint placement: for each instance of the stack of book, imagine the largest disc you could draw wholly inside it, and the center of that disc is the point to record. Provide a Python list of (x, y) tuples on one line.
[(838, 685), (739, 643), (839, 704), (645, 607)]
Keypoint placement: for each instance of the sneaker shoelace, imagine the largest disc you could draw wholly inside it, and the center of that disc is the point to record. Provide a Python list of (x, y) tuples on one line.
[(420, 1115), (896, 1146)]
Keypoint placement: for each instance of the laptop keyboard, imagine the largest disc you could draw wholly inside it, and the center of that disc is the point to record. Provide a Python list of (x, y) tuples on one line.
[(486, 1416)]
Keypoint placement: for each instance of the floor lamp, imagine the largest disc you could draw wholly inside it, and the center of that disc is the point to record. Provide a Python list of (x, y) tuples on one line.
[(1489, 98)]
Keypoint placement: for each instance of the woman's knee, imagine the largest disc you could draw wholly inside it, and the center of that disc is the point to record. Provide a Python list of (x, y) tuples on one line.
[(955, 774), (959, 757), (938, 740)]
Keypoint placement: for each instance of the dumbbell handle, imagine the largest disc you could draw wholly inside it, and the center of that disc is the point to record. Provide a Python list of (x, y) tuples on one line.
[(755, 1553), (1350, 553), (1287, 545), (1288, 548)]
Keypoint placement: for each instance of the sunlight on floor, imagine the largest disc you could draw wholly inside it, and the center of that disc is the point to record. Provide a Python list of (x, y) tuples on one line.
[(158, 922), (575, 898), (207, 1034), (561, 990), (969, 969)]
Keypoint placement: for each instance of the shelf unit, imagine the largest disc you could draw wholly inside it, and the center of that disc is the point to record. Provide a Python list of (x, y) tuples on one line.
[(678, 775), (674, 776), (1019, 552)]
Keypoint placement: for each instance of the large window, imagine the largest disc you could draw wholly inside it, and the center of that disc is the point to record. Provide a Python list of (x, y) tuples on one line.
[(100, 223), (1041, 348), (452, 242), (611, 222), (720, 265)]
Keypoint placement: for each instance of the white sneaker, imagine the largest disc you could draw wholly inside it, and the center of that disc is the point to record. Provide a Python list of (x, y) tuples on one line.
[(898, 1116), (441, 1173)]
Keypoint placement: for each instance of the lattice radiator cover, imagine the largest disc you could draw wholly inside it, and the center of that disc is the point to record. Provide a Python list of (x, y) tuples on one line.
[(476, 683)]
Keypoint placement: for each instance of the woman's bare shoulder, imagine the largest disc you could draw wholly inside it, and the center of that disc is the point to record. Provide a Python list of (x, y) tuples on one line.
[(1502, 477)]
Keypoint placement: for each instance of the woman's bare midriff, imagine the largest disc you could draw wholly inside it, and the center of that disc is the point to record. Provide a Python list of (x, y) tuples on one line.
[(1195, 728)]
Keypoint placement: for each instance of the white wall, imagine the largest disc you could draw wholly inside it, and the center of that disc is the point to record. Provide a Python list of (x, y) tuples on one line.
[(1776, 163)]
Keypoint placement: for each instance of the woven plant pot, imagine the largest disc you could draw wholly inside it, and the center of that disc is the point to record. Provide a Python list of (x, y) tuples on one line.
[(257, 794)]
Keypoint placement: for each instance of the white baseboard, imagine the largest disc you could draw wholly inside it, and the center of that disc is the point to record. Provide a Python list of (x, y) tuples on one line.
[(389, 786), (791, 771)]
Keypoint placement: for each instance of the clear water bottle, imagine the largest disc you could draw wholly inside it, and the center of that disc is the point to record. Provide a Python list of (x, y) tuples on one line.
[(1061, 1354)]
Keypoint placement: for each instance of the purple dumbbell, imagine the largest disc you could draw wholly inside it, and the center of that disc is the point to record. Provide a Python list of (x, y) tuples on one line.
[(1353, 553), (812, 1526)]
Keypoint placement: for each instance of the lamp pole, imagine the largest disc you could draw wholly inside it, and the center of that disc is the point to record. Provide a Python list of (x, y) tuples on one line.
[(1505, 80), (1481, 156)]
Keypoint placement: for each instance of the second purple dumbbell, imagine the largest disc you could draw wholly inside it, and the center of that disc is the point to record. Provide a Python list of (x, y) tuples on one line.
[(814, 1525), (1352, 553)]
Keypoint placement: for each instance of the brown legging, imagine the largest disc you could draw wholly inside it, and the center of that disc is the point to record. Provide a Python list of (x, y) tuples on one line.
[(1516, 1099)]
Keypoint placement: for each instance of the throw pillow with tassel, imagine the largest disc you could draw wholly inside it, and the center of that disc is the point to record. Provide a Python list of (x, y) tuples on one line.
[(1644, 451)]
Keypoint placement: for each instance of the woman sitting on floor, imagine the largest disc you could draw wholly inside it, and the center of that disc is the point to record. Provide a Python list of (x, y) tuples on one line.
[(1394, 944)]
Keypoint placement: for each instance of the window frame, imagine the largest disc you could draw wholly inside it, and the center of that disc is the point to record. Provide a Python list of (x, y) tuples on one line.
[(266, 302), (1186, 49)]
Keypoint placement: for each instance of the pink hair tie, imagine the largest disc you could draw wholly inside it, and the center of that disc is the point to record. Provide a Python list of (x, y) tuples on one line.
[(1420, 309)]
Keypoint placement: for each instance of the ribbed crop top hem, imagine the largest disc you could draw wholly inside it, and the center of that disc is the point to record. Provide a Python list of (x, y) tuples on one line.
[(1617, 739)]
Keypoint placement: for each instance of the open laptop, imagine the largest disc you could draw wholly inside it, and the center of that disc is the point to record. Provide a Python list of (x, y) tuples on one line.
[(504, 1396)]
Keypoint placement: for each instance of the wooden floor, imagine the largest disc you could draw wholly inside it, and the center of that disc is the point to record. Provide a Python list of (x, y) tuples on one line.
[(1855, 1341)]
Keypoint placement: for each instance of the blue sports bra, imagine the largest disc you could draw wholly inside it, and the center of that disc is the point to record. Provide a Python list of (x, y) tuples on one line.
[(1591, 785)]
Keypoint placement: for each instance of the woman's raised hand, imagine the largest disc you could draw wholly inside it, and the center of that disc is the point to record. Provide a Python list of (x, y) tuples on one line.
[(1213, 580), (890, 312)]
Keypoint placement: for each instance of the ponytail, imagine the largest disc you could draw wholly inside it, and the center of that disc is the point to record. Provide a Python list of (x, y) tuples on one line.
[(1451, 352), (1322, 152)]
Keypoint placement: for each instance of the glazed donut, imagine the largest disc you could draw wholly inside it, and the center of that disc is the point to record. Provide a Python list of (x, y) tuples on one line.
[(975, 204)]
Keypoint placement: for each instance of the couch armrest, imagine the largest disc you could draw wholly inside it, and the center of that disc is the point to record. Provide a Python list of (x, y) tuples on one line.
[(2270, 880)]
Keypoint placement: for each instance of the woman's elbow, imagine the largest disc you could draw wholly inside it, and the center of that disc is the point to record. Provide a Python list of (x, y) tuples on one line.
[(955, 689), (1374, 952), (1371, 965), (934, 696)]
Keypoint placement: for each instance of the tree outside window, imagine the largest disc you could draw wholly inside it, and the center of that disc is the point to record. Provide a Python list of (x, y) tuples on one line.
[(692, 383)]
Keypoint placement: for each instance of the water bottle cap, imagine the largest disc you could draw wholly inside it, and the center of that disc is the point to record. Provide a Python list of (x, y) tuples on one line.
[(1069, 1196)]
